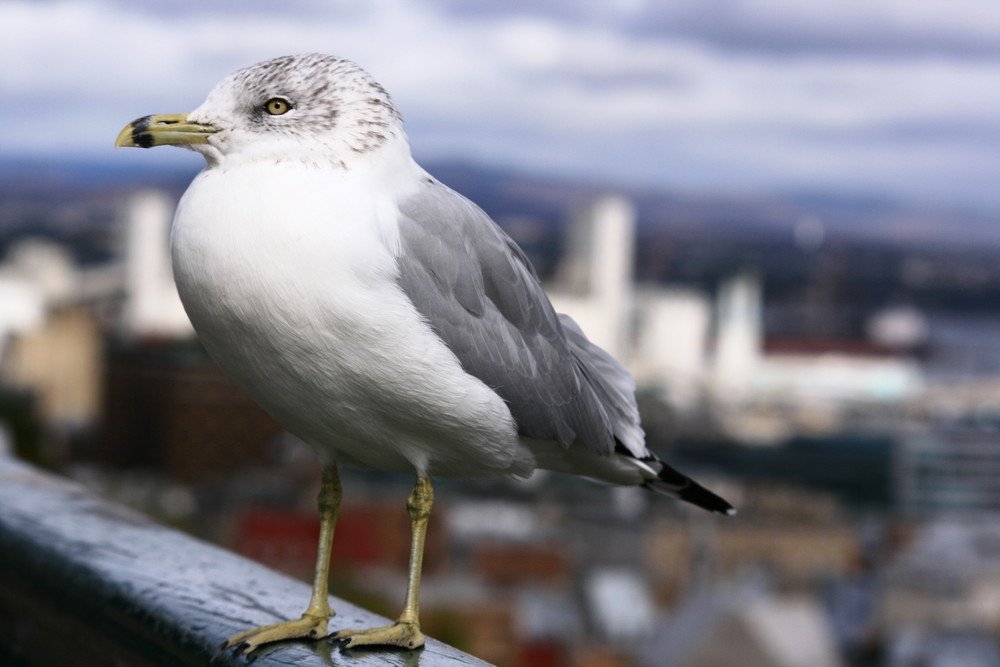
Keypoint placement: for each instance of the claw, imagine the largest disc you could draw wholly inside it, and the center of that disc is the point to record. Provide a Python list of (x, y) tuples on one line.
[(309, 626), (403, 634)]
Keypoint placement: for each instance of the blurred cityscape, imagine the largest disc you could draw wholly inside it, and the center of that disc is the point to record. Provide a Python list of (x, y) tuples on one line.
[(832, 368)]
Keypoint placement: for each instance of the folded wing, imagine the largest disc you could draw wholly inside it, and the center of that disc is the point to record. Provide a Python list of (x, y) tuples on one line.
[(479, 293)]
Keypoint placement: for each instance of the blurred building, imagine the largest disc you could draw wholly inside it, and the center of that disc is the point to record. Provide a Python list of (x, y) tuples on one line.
[(670, 348), (168, 408), (797, 537), (594, 284), (152, 308), (59, 361), (739, 335), (746, 627), (55, 316), (949, 471), (693, 347), (941, 596), (50, 338)]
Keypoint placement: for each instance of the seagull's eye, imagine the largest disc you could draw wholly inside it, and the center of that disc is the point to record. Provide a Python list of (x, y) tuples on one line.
[(277, 106)]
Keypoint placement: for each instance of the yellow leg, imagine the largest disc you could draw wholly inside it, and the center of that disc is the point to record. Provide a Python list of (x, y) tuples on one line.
[(313, 622), (405, 632)]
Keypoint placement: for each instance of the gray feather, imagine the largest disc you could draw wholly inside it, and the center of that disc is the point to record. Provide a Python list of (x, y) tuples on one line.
[(479, 293)]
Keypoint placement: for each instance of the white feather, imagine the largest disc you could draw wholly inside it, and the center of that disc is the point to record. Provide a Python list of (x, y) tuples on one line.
[(288, 274)]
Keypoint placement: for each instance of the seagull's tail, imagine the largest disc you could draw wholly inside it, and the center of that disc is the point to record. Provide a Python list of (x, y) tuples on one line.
[(661, 478)]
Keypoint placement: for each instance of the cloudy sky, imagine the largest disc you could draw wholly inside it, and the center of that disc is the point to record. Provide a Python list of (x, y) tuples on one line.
[(897, 98)]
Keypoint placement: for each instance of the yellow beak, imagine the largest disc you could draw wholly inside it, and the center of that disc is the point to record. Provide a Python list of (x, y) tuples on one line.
[(172, 129)]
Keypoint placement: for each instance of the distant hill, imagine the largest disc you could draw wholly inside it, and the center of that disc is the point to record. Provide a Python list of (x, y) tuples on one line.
[(504, 192), (20, 178), (546, 200)]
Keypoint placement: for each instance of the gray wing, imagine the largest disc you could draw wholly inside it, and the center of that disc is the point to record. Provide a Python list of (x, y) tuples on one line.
[(479, 293)]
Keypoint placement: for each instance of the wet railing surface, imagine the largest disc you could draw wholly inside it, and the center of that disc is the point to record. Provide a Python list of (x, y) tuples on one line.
[(84, 581)]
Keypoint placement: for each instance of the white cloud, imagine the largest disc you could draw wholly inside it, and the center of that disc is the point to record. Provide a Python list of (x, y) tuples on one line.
[(543, 91)]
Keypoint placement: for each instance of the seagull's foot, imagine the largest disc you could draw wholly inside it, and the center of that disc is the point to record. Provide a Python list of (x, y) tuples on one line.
[(309, 626), (405, 634)]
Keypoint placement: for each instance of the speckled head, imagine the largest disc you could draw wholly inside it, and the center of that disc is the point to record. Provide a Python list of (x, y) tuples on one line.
[(311, 108)]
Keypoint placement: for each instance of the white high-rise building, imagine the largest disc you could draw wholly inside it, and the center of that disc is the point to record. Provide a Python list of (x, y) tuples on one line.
[(152, 306), (594, 285), (660, 334), (739, 333), (671, 341)]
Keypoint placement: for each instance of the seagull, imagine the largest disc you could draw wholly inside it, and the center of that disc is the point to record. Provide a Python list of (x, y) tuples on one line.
[(378, 315)]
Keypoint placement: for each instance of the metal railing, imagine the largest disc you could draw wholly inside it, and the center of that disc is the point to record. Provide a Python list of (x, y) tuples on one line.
[(84, 581)]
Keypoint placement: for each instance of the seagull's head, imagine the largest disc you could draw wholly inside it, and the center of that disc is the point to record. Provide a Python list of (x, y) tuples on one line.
[(312, 108)]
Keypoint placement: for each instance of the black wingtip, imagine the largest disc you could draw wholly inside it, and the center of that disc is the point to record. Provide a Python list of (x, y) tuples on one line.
[(675, 483), (696, 494)]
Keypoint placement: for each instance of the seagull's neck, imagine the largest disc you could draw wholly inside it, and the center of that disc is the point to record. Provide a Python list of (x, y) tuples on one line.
[(388, 162)]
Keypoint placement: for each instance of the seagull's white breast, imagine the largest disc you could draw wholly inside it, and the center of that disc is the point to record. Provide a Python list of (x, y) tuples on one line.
[(289, 276)]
